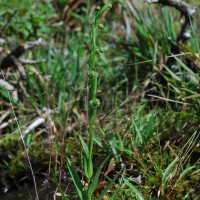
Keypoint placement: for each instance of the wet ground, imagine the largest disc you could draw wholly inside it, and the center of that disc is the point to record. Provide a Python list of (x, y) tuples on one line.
[(46, 191)]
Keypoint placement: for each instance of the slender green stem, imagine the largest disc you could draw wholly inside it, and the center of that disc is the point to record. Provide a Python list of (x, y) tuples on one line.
[(93, 80), (92, 54)]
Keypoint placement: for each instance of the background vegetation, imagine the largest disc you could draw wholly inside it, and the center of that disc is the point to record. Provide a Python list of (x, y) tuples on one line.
[(147, 140)]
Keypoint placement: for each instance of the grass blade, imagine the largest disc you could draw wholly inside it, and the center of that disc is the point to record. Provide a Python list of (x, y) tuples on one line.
[(166, 173), (77, 182), (96, 178), (85, 147), (185, 172), (174, 76), (135, 190)]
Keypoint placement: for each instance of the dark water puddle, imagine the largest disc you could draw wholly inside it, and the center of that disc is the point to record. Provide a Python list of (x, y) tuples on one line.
[(46, 191)]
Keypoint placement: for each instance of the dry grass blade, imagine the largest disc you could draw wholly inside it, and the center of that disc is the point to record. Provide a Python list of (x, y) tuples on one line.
[(37, 122), (10, 88), (170, 100), (8, 123), (4, 115)]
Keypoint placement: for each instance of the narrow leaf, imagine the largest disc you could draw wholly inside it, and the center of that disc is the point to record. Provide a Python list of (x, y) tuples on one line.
[(77, 182), (96, 179), (172, 74), (185, 172), (135, 190), (167, 171), (85, 147)]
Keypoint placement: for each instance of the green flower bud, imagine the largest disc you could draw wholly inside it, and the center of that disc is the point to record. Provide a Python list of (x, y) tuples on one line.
[(101, 50), (95, 103), (98, 8), (92, 74), (101, 26)]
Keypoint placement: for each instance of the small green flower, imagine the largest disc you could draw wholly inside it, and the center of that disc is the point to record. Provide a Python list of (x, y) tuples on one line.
[(101, 26), (101, 50), (95, 103), (98, 8), (92, 75)]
